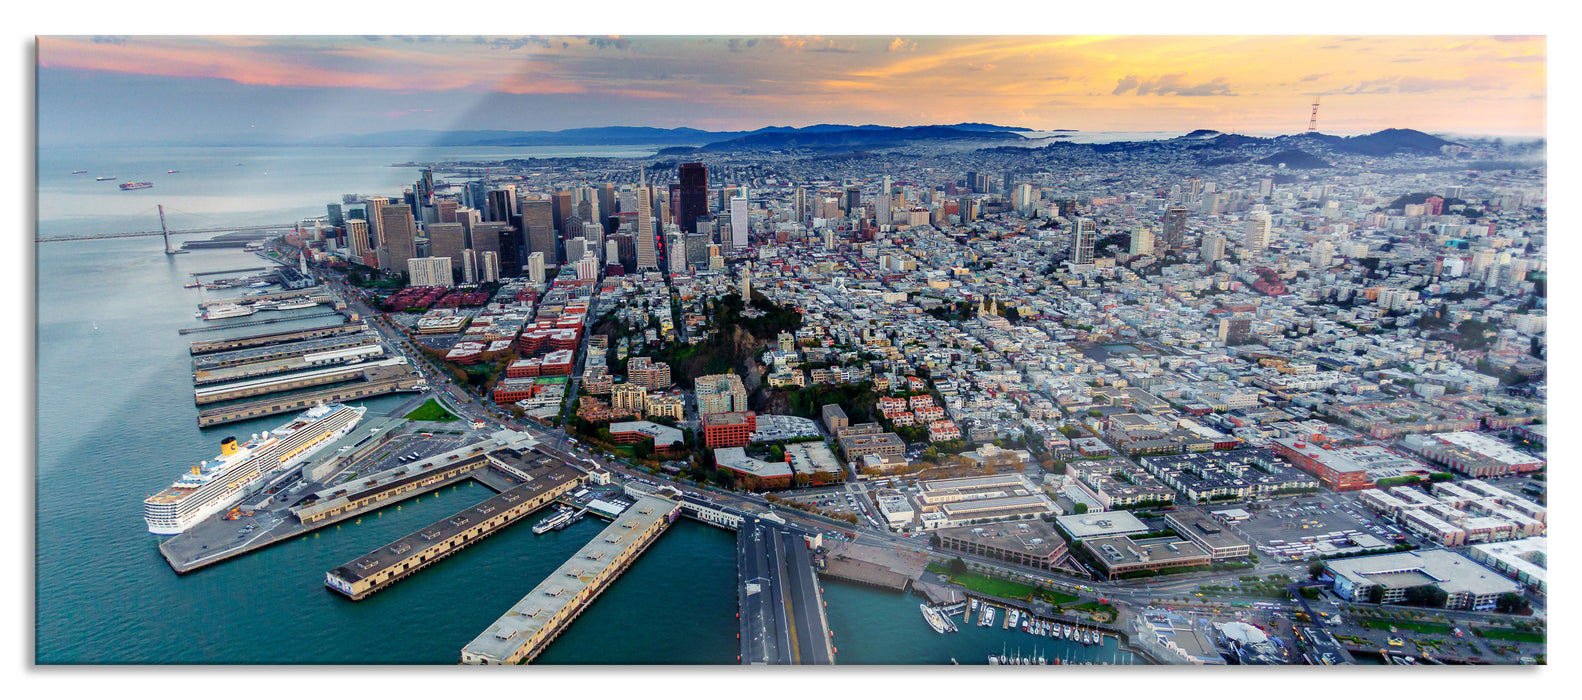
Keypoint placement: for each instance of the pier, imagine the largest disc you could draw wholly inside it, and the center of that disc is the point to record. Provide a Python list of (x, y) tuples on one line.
[(781, 606), (227, 272), (525, 630), (299, 363), (215, 540), (267, 339), (273, 296), (383, 567), (377, 381), (209, 363), (299, 380), (260, 322)]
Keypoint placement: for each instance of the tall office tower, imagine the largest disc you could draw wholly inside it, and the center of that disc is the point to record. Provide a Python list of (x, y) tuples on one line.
[(725, 198), (446, 209), (665, 219), (535, 267), (1082, 240), (971, 179), (738, 222), (694, 196), (335, 217), (400, 234), (474, 195), (675, 202), (1009, 184), (1025, 199), (576, 248), (676, 252), (697, 247), (424, 189), (1142, 241), (1265, 187), (490, 264), (745, 286), (446, 241), (430, 272), (1257, 231), (467, 216), (799, 205), (357, 237), (1323, 254), (486, 235), (539, 222), (561, 208), (606, 206), (1175, 228), (511, 250), (853, 201), (501, 204), (588, 268), (647, 251), (1212, 248), (373, 207), (626, 250), (469, 266), (881, 209), (964, 209)]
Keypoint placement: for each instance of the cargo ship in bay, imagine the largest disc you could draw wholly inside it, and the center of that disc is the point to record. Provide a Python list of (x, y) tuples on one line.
[(136, 185), (217, 484)]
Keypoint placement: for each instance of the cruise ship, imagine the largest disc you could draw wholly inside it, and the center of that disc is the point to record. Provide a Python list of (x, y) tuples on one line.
[(217, 484), (219, 311)]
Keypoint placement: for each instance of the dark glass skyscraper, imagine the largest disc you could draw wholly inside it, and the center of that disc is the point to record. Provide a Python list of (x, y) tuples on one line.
[(694, 196), (1175, 228)]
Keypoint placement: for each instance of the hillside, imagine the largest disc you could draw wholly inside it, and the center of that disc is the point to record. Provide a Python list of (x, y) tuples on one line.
[(1295, 160)]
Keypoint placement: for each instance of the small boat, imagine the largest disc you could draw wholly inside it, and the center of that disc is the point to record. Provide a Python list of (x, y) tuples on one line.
[(933, 618), (79, 172), (974, 604), (191, 285), (994, 660)]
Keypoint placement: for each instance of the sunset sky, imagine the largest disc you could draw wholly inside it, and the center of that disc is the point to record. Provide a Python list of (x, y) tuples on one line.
[(108, 89)]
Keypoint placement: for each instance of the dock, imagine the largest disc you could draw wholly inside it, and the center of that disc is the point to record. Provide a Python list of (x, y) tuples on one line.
[(782, 620), (216, 540), (376, 381), (383, 567), (273, 296), (298, 380), (268, 339), (524, 631), (260, 322), (214, 361), (284, 365), (226, 272)]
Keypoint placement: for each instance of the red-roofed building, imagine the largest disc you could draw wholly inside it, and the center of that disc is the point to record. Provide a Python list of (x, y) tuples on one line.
[(729, 429)]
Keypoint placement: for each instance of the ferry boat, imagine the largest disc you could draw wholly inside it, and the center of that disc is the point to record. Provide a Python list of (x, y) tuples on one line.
[(215, 485), (258, 285), (136, 185), (297, 305), (933, 618), (219, 311), (105, 179), (560, 519)]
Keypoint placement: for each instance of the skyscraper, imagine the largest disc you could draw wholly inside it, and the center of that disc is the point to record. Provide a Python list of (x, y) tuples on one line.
[(881, 210), (490, 264), (486, 237), (430, 272), (446, 241), (501, 204), (1257, 231), (1175, 228), (358, 238), (1082, 241), (694, 196), (335, 217), (799, 205), (511, 252), (469, 266), (1142, 241), (1211, 248), (539, 224), (374, 205), (647, 251), (676, 252), (535, 267), (606, 205), (400, 234), (738, 222), (853, 201), (561, 208)]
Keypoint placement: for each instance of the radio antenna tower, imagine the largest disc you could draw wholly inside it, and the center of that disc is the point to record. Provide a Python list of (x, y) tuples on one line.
[(1312, 122)]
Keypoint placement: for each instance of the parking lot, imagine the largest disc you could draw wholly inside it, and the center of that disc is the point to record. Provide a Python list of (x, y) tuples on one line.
[(833, 500), (401, 450), (1296, 529)]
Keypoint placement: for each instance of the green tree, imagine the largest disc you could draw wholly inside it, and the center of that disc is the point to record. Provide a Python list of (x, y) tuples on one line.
[(1080, 508), (1376, 595), (1510, 602), (1315, 570), (957, 566)]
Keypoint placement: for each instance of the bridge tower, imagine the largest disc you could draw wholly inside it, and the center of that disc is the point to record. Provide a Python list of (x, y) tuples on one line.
[(166, 231)]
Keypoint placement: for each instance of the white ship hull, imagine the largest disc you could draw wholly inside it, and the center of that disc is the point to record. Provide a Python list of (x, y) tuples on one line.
[(241, 487)]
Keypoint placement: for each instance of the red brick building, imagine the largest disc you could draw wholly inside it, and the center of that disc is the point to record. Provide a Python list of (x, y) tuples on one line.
[(729, 429)]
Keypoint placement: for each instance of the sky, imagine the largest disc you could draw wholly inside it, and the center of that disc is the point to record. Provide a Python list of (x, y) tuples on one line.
[(103, 90)]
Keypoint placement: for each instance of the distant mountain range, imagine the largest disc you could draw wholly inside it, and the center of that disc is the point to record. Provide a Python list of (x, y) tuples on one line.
[(817, 136)]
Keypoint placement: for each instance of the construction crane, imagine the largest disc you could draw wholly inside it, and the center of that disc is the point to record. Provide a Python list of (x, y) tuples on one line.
[(1312, 122)]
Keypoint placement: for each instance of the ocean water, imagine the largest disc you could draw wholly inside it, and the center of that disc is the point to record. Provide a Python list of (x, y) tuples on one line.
[(116, 423)]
